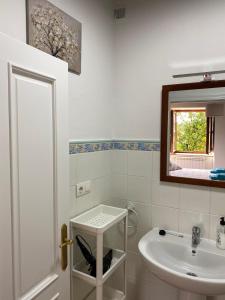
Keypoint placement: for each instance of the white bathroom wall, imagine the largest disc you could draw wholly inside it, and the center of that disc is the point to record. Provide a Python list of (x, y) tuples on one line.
[(90, 94), (154, 39), (13, 18)]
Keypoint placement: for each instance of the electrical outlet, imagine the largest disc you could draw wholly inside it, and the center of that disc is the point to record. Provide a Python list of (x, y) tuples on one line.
[(83, 188)]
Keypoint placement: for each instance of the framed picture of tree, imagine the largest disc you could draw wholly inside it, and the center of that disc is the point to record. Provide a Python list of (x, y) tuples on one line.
[(54, 32)]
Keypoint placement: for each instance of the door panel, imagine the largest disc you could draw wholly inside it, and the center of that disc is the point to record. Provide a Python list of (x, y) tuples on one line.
[(6, 289), (34, 174), (32, 107)]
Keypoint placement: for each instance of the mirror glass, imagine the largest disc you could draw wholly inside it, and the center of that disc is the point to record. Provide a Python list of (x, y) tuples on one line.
[(196, 133)]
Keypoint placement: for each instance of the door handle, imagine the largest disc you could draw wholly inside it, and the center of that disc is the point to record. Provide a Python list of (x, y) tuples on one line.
[(65, 242)]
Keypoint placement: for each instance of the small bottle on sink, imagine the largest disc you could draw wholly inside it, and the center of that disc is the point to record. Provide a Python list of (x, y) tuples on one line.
[(220, 239)]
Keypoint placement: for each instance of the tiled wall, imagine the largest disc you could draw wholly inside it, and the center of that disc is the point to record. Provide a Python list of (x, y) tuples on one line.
[(119, 176), (94, 166), (135, 177)]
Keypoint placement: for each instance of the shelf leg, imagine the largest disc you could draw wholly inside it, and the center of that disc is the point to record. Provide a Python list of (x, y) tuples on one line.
[(99, 267), (125, 233), (99, 292), (125, 250)]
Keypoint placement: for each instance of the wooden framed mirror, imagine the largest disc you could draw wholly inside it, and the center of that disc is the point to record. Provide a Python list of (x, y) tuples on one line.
[(193, 133)]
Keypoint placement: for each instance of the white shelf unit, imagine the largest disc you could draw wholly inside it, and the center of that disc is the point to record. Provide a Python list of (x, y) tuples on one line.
[(96, 222), (109, 294)]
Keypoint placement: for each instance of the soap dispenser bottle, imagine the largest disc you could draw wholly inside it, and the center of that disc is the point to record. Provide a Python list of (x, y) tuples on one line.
[(220, 240)]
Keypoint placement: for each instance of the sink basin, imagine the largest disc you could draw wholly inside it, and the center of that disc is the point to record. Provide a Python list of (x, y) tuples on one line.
[(171, 258)]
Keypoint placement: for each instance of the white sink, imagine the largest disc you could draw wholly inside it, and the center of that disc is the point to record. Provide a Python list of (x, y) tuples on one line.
[(171, 259)]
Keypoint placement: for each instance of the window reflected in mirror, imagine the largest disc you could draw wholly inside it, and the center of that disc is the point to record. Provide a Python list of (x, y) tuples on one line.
[(194, 134)]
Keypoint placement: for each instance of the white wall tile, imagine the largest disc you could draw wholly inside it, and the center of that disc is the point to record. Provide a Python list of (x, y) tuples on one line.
[(121, 176), (143, 219), (122, 203), (136, 268), (104, 163), (119, 162), (165, 217), (73, 208), (156, 165), (152, 289), (165, 194), (139, 189), (86, 166), (141, 224), (132, 289), (195, 199), (93, 165), (214, 221), (73, 169), (140, 163), (103, 189), (188, 219), (218, 202), (134, 236), (100, 192), (138, 291), (81, 204), (161, 290), (133, 265), (119, 186)]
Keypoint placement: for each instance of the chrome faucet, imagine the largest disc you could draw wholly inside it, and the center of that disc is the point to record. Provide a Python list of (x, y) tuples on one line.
[(195, 236)]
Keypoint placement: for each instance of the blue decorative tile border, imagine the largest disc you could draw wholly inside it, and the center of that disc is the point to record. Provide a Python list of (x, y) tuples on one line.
[(76, 147), (92, 146), (136, 145)]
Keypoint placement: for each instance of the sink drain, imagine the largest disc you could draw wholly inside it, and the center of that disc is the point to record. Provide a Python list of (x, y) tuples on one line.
[(192, 274)]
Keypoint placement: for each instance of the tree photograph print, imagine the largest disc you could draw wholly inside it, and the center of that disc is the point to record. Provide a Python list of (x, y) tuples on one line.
[(51, 30)]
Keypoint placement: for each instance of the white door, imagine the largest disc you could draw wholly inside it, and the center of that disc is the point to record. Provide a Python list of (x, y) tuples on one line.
[(34, 183)]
